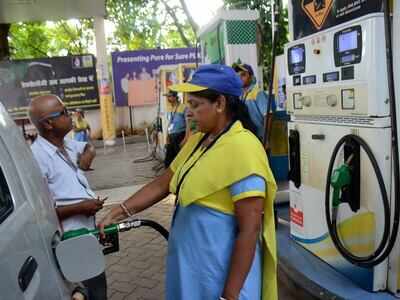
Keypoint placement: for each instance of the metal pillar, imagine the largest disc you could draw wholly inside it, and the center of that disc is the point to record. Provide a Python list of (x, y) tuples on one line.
[(106, 105)]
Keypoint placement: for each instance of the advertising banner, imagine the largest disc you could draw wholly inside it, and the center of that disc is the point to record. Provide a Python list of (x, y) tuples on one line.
[(311, 16), (134, 73), (72, 78)]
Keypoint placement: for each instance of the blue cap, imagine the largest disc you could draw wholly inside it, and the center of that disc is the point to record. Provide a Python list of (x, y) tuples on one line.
[(220, 78), (243, 67)]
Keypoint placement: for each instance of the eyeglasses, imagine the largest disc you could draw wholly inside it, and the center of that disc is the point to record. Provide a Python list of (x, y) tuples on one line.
[(57, 114)]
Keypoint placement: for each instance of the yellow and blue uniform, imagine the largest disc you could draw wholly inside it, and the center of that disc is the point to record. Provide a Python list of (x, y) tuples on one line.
[(176, 119), (82, 134), (204, 227), (176, 131), (257, 104)]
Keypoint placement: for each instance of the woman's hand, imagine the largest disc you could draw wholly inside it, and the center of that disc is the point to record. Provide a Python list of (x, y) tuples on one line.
[(147, 196), (110, 218)]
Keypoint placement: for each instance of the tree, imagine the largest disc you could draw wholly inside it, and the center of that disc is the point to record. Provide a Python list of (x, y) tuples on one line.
[(72, 37), (29, 40), (150, 24), (41, 39), (139, 24), (265, 29)]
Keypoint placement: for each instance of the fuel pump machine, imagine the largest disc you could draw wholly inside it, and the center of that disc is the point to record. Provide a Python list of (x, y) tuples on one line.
[(343, 137)]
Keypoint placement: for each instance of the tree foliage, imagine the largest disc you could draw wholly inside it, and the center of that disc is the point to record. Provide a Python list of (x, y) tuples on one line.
[(137, 24), (40, 39), (149, 24), (265, 7)]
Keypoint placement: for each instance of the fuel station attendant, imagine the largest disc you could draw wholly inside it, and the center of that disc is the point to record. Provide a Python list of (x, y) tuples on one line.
[(255, 98), (225, 192), (176, 126)]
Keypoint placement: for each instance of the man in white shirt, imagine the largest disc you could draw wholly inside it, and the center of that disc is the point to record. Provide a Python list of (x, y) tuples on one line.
[(62, 162)]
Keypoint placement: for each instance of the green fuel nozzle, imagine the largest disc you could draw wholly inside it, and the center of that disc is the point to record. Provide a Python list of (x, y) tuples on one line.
[(111, 241), (110, 229), (340, 179)]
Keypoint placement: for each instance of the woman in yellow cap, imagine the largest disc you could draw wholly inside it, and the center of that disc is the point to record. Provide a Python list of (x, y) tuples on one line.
[(222, 238)]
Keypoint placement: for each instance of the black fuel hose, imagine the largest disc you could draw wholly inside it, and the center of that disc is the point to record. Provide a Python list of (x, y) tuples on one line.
[(149, 223), (379, 254)]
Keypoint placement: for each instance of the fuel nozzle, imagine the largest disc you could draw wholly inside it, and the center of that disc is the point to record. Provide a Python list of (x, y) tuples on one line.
[(341, 178), (111, 241)]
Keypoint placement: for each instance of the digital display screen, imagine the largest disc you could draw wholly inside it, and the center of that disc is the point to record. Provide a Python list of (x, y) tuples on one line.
[(310, 79), (296, 59), (348, 58), (296, 55), (333, 76), (348, 41)]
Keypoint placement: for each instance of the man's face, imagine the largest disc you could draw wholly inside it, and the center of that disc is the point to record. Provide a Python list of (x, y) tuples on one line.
[(58, 120), (245, 77), (172, 99)]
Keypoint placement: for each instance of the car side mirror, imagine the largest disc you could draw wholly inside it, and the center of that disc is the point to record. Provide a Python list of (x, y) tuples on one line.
[(80, 258)]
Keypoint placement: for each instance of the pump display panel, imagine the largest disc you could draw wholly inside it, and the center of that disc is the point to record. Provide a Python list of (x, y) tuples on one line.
[(297, 59), (348, 46)]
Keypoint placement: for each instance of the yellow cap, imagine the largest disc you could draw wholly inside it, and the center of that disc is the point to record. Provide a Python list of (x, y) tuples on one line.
[(187, 87)]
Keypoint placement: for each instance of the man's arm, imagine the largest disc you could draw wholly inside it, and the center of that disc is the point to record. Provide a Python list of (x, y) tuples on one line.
[(85, 158), (88, 207)]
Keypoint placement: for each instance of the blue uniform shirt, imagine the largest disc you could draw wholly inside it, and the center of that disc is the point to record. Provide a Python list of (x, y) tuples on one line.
[(257, 104), (176, 119)]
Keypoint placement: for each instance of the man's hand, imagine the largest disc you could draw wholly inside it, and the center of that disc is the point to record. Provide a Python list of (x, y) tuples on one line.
[(87, 207), (90, 207), (86, 157)]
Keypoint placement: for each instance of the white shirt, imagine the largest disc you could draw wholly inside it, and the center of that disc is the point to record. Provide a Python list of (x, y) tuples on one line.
[(67, 183)]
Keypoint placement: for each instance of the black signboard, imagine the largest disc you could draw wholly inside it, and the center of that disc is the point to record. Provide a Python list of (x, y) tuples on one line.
[(72, 78), (311, 16)]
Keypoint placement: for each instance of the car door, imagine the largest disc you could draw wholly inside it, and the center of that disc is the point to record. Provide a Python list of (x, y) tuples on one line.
[(26, 268)]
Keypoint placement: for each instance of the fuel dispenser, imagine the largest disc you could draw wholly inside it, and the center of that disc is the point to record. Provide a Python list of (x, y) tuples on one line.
[(344, 197), (166, 76)]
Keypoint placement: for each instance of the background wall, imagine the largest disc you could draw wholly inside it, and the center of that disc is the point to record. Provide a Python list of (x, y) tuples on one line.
[(141, 117)]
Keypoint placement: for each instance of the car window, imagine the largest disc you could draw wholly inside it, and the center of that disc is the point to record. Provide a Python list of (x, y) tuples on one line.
[(6, 204)]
